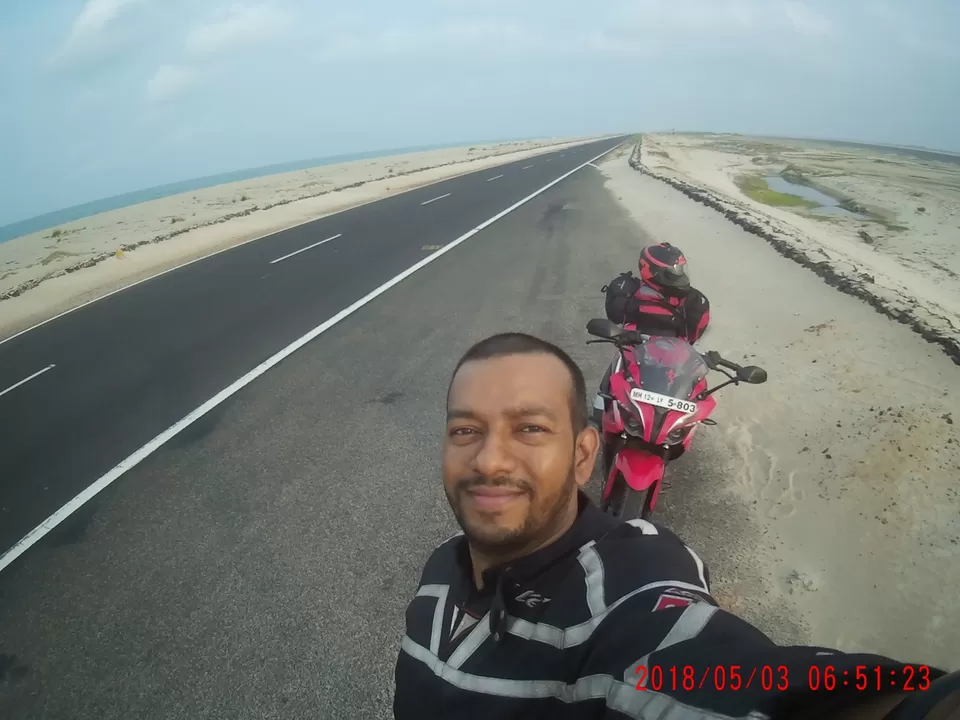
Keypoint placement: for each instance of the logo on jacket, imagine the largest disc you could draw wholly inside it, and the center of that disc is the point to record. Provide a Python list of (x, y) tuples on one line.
[(531, 599), (676, 598)]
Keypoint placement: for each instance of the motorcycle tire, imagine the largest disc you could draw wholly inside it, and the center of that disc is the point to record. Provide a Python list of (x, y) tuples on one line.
[(626, 503)]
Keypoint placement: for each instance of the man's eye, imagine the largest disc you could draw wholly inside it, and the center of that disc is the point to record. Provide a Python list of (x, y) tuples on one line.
[(533, 429), (461, 431)]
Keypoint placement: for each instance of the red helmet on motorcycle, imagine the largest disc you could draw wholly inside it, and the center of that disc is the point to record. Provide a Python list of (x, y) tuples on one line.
[(665, 268)]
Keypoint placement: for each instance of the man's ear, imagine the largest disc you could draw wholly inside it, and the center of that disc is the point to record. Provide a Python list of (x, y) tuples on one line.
[(585, 453)]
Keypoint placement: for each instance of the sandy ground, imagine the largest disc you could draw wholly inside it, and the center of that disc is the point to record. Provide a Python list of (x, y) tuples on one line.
[(909, 257), (826, 501), (48, 272)]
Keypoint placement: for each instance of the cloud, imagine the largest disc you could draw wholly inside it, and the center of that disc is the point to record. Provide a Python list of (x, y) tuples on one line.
[(238, 26), (170, 81), (723, 19), (491, 39), (689, 17), (733, 31), (101, 29), (602, 43), (626, 29), (806, 21), (235, 27), (915, 33)]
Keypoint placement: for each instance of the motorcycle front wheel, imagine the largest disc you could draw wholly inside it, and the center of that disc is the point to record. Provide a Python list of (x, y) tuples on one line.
[(623, 502)]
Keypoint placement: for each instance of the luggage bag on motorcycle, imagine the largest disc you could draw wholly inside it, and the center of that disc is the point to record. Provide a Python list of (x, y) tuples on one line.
[(618, 292)]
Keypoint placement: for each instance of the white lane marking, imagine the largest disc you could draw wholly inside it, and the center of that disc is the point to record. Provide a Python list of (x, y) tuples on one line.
[(308, 247), (435, 199), (209, 255), (27, 379), (549, 159), (138, 456), (495, 177), (593, 166), (527, 167)]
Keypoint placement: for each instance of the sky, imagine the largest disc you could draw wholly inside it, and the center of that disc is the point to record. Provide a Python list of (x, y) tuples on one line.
[(101, 97)]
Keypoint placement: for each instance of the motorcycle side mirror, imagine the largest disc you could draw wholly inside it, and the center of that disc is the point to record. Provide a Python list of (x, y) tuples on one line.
[(752, 374), (598, 327)]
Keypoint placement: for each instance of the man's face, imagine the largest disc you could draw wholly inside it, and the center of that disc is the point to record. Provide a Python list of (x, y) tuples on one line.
[(511, 461)]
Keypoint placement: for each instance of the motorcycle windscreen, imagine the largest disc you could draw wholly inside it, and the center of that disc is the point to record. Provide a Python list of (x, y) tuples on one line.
[(669, 366)]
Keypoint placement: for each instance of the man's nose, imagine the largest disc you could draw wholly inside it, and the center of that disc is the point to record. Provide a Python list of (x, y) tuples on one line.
[(495, 458)]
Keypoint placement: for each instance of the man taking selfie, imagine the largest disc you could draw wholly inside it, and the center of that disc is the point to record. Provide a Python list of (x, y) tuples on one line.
[(545, 607)]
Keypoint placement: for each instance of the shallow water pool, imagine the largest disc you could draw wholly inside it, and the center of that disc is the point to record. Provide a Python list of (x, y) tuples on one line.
[(827, 205)]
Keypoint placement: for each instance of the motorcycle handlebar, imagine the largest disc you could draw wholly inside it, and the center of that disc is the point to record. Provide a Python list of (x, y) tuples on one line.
[(752, 374), (609, 332), (715, 360), (630, 337)]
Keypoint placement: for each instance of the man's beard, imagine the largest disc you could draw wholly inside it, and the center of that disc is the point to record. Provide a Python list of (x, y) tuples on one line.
[(543, 514)]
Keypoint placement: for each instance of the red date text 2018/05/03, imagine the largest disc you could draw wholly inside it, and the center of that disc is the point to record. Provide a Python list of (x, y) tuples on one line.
[(716, 677), (768, 678)]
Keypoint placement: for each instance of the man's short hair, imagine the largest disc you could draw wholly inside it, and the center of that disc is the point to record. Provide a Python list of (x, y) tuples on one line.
[(504, 344)]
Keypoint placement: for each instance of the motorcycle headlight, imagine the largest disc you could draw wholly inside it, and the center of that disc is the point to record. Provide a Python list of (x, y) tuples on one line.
[(677, 435), (632, 423)]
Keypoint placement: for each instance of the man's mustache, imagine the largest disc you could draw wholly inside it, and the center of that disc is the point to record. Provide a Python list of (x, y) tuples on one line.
[(469, 483)]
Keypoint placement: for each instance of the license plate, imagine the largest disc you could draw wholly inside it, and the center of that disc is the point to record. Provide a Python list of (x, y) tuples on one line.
[(663, 401)]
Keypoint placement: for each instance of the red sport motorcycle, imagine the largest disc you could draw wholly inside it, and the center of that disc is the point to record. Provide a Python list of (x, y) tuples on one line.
[(657, 398)]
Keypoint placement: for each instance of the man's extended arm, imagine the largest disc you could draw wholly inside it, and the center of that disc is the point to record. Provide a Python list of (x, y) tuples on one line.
[(881, 709), (702, 658)]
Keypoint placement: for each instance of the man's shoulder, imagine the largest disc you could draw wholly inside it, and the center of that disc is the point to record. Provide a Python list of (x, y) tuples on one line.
[(442, 560), (638, 538), (642, 558)]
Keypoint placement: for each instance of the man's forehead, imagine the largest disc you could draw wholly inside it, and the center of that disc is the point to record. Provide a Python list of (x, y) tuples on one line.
[(511, 381)]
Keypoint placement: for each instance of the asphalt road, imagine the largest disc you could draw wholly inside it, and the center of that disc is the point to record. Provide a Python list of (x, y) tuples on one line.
[(83, 392), (258, 565)]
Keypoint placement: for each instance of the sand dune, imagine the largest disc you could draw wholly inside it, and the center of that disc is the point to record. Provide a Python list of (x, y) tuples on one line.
[(51, 271)]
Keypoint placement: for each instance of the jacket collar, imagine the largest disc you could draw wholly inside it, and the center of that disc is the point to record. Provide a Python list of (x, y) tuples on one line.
[(590, 524)]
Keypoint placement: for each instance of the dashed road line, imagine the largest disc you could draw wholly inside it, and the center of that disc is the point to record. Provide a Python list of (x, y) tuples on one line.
[(27, 379), (436, 198), (308, 247)]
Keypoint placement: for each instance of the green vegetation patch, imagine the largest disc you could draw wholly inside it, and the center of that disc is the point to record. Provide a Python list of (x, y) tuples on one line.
[(756, 188)]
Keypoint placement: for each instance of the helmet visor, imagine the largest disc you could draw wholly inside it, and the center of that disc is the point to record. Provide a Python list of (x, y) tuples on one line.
[(675, 277)]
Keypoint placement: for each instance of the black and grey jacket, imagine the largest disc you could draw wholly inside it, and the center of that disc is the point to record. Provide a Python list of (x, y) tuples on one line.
[(570, 631)]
